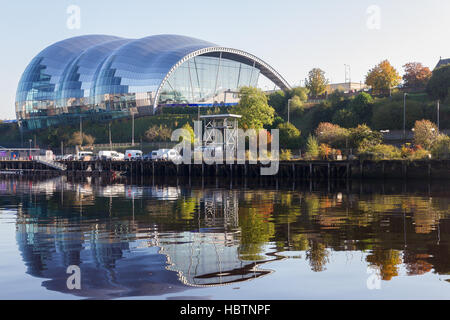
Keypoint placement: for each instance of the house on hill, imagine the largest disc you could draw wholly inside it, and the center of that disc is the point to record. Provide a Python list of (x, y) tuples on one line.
[(442, 62)]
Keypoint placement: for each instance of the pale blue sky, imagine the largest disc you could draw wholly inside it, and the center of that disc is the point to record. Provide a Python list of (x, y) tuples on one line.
[(292, 35)]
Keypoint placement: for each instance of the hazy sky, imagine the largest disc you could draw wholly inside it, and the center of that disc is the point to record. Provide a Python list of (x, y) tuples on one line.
[(292, 36)]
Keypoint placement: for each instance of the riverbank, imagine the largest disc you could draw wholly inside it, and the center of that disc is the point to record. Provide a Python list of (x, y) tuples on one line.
[(298, 169)]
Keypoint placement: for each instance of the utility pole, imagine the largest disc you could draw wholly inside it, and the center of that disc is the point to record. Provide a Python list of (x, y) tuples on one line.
[(110, 140), (289, 108), (404, 116), (62, 148), (81, 132), (438, 116), (132, 130)]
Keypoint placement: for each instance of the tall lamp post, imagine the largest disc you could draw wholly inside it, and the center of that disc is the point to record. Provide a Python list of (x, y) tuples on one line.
[(289, 107), (132, 130), (404, 116), (438, 116)]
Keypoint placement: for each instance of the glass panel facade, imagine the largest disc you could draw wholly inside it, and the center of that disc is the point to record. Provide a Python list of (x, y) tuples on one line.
[(108, 77), (206, 80)]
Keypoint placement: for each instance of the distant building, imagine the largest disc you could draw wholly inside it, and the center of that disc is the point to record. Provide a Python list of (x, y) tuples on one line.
[(346, 87), (442, 62)]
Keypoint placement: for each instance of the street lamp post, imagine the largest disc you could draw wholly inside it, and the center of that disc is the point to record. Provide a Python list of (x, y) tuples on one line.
[(438, 115), (110, 140), (404, 116), (289, 108), (132, 131)]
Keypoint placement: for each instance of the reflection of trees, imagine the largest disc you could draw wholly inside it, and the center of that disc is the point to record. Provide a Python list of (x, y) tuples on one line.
[(416, 263), (318, 256), (386, 261), (255, 232), (414, 226)]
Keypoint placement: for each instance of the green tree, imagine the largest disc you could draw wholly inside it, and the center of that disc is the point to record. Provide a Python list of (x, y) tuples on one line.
[(439, 84), (296, 106), (300, 92), (312, 147), (190, 136), (289, 135), (316, 82), (361, 106), (278, 100), (254, 109), (383, 77), (362, 137), (345, 118)]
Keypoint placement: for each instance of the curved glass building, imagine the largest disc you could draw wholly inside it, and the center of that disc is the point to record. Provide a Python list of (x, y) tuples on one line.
[(107, 77)]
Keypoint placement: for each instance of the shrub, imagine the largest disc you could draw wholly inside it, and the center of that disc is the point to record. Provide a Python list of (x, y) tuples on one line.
[(332, 135), (325, 151), (379, 152), (362, 137), (285, 154), (158, 133), (312, 147), (425, 133), (441, 147)]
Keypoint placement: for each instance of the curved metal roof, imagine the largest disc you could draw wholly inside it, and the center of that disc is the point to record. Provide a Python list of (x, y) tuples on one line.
[(94, 65)]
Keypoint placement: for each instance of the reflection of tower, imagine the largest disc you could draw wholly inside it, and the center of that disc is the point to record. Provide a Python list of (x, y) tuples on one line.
[(220, 206)]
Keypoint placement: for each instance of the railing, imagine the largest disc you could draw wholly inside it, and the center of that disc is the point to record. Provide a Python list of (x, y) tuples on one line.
[(52, 164)]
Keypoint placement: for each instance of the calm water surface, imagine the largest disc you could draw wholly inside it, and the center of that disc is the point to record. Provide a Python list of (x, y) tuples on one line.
[(219, 240)]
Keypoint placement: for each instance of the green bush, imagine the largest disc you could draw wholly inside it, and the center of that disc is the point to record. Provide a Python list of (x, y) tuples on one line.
[(285, 154), (289, 135), (379, 152), (441, 147), (312, 148)]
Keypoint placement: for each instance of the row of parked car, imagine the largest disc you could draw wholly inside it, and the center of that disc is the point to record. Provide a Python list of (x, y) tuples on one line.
[(156, 155)]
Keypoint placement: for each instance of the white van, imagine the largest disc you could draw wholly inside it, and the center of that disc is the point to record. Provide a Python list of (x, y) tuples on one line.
[(133, 154), (105, 154), (170, 155), (84, 155), (165, 155)]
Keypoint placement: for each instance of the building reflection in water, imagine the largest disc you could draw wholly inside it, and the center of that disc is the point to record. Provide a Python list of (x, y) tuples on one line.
[(132, 240), (128, 249)]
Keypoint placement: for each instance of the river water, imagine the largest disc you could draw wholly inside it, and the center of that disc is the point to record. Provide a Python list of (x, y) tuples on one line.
[(223, 239)]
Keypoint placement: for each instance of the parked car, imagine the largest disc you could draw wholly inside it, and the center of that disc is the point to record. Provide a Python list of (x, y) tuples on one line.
[(118, 156), (133, 154), (147, 156), (68, 157), (157, 154)]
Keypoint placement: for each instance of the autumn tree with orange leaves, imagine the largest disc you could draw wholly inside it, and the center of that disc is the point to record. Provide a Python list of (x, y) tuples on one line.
[(416, 75), (383, 77)]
